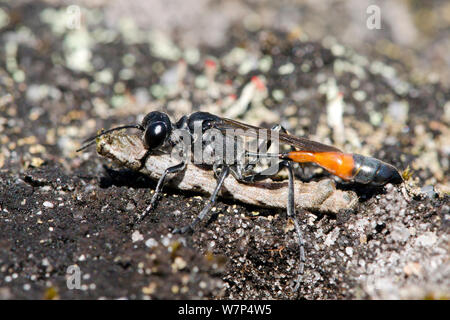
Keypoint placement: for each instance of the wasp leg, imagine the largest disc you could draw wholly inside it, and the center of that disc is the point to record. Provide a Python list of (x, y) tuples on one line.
[(259, 176), (291, 214), (290, 208), (207, 208), (177, 168), (143, 160)]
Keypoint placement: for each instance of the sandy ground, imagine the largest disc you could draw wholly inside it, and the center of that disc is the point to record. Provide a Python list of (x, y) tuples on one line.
[(63, 78)]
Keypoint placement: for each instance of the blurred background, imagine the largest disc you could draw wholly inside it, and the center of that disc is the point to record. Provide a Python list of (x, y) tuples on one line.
[(416, 33), (369, 77)]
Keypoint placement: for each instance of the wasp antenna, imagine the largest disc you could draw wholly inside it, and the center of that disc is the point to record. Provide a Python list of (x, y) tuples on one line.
[(91, 140), (85, 146)]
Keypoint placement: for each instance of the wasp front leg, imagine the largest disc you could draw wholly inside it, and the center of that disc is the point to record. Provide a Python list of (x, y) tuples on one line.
[(177, 168)]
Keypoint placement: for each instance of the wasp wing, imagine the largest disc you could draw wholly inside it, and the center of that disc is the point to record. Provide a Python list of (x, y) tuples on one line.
[(302, 144)]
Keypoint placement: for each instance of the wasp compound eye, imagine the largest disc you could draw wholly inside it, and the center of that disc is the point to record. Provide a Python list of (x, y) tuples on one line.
[(155, 135)]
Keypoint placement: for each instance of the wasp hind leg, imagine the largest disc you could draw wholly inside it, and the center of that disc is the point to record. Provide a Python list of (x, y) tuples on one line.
[(290, 209), (291, 214)]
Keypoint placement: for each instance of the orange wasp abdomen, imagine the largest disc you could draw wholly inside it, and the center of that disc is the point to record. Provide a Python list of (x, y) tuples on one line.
[(350, 167)]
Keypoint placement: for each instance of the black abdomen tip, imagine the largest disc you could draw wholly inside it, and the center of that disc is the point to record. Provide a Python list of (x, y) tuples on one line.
[(387, 174), (373, 171)]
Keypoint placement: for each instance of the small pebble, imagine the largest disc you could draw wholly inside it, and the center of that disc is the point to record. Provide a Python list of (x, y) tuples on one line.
[(151, 243), (48, 204), (349, 251), (427, 239), (429, 192), (137, 236)]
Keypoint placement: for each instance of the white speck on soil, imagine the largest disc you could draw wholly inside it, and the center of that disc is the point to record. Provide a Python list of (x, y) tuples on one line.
[(137, 236), (426, 240), (48, 204)]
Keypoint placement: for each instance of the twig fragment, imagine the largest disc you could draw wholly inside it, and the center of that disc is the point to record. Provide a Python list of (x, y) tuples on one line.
[(322, 196)]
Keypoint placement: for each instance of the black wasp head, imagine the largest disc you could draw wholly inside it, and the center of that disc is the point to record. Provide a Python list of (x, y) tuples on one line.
[(156, 126), (157, 129)]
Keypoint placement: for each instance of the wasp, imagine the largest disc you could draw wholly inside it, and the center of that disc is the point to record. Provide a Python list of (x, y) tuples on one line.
[(210, 134)]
